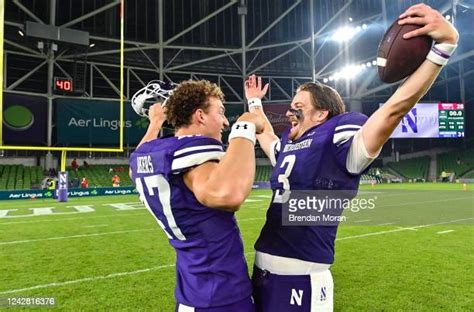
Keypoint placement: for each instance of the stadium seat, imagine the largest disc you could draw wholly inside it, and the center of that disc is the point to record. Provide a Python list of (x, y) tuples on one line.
[(459, 162), (413, 168)]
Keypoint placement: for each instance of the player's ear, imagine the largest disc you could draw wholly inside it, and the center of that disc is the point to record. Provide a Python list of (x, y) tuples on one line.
[(322, 115), (200, 116)]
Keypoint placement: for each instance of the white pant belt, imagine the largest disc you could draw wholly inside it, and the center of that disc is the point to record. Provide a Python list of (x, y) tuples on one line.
[(287, 266)]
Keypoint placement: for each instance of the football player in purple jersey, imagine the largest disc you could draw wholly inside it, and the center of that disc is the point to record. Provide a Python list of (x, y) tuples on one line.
[(192, 188), (326, 149)]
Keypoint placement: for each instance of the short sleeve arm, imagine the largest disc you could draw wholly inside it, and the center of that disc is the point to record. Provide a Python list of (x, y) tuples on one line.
[(194, 152), (346, 134)]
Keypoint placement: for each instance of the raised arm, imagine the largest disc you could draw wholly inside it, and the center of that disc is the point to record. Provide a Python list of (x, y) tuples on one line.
[(254, 92), (383, 122), (226, 185), (157, 116)]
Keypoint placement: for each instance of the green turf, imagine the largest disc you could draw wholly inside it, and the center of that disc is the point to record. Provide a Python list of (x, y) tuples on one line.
[(129, 265)]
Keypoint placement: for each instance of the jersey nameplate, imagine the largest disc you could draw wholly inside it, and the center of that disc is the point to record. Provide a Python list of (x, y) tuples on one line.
[(144, 164), (300, 145)]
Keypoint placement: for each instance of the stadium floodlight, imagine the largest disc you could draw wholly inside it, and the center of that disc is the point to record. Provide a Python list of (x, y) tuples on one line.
[(345, 33), (374, 62), (448, 17), (349, 72), (21, 33), (91, 45)]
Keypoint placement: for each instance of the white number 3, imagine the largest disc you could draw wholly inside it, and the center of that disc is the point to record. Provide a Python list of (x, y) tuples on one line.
[(282, 197)]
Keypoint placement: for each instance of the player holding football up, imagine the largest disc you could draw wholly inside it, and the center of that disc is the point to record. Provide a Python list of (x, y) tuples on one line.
[(291, 271), (193, 189)]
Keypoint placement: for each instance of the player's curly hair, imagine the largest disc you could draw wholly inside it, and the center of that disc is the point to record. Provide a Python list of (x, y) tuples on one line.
[(324, 97), (189, 96)]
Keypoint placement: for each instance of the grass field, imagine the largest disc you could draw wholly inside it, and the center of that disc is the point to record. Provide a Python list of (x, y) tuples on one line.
[(109, 254)]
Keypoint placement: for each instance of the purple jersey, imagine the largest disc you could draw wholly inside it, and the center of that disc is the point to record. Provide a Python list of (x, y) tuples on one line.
[(315, 161), (210, 266)]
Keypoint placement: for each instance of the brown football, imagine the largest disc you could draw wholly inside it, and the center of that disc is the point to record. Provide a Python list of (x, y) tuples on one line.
[(398, 58)]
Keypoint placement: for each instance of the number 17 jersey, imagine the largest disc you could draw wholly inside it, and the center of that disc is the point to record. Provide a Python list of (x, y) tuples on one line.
[(210, 266)]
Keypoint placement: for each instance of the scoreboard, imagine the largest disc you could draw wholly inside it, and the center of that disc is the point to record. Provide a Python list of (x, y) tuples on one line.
[(451, 120), (432, 120)]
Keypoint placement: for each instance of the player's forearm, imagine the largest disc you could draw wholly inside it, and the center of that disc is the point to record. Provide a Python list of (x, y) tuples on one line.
[(232, 179), (259, 111), (383, 122), (266, 138), (152, 132)]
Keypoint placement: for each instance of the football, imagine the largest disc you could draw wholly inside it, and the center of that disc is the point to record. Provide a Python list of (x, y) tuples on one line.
[(397, 57)]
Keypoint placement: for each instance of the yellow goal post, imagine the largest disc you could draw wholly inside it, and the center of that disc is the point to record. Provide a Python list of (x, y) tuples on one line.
[(63, 150)]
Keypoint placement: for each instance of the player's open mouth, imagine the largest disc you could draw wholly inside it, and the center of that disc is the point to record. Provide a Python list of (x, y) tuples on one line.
[(294, 127)]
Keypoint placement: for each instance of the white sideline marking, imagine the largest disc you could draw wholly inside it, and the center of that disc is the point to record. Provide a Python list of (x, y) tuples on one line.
[(407, 228), (249, 200), (73, 236), (388, 223), (426, 201), (401, 229), (250, 219), (94, 278), (79, 218), (93, 234), (362, 221), (87, 279), (447, 231), (264, 196), (95, 225)]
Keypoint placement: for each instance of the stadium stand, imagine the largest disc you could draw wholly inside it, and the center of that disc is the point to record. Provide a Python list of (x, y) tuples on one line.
[(19, 177), (263, 173), (469, 175), (459, 162), (413, 168), (101, 175)]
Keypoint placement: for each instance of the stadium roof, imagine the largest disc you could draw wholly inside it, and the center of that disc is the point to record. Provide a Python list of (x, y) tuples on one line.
[(223, 41)]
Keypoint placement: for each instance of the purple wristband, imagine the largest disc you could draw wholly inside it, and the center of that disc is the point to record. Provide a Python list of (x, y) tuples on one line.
[(440, 53)]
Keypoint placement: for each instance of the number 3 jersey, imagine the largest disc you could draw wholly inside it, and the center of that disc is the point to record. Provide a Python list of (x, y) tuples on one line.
[(210, 265), (315, 161)]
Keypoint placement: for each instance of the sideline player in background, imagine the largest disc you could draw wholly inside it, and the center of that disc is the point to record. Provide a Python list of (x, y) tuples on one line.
[(193, 189), (327, 149)]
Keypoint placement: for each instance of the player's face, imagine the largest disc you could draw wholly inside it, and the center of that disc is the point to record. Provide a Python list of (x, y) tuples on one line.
[(308, 117), (216, 121)]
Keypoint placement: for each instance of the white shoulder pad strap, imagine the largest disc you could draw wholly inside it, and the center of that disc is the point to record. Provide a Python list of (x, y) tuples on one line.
[(275, 147)]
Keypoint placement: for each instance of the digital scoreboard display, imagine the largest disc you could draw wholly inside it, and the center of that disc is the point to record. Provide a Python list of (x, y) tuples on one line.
[(451, 120), (432, 120), (63, 85)]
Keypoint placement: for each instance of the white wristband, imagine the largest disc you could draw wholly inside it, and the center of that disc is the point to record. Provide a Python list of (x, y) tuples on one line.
[(243, 129), (255, 102), (441, 52)]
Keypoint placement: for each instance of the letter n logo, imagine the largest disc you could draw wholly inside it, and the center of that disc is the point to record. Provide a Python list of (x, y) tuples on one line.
[(296, 297), (410, 121), (323, 293)]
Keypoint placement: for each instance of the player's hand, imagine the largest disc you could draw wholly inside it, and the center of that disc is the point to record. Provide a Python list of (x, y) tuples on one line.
[(255, 119), (157, 114), (254, 89), (434, 24)]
